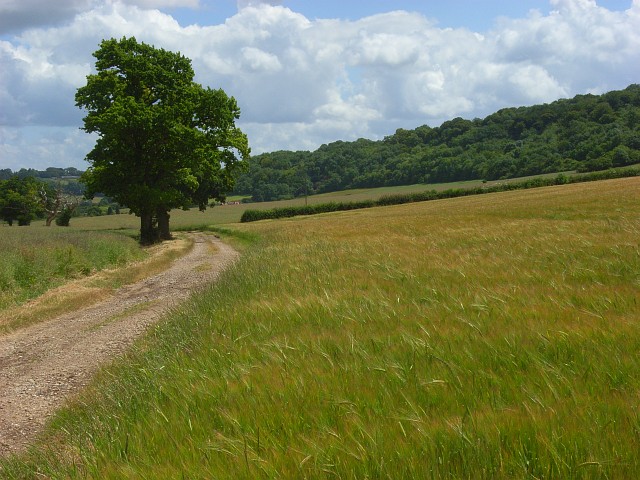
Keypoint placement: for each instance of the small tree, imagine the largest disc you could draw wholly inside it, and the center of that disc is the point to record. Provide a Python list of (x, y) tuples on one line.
[(53, 201), (64, 217), (164, 141)]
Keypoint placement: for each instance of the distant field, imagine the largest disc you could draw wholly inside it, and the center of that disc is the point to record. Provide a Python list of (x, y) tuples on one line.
[(226, 214), (493, 337)]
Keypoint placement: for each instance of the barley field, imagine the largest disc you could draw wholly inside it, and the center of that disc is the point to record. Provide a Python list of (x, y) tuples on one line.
[(491, 337)]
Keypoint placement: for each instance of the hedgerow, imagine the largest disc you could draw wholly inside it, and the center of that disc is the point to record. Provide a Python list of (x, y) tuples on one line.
[(400, 198)]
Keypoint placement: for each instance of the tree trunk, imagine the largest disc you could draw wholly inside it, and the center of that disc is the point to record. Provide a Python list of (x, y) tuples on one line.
[(148, 230), (163, 224)]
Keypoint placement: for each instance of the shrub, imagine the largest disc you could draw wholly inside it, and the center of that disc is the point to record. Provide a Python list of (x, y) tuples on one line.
[(63, 218)]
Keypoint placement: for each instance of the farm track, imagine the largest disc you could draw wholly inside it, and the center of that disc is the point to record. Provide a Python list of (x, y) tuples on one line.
[(43, 365)]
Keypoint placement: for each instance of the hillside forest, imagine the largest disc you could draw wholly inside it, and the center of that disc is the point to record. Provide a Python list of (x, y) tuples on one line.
[(585, 133)]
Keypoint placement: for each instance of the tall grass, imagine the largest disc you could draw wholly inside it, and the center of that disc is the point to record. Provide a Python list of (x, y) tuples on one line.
[(481, 337), (36, 258)]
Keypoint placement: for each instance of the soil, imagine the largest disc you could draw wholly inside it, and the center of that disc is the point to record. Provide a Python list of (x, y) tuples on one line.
[(43, 365)]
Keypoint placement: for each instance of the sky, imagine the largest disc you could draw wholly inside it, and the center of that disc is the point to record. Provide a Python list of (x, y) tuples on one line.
[(310, 72)]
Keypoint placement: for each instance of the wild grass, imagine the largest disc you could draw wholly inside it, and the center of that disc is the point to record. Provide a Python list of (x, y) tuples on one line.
[(478, 337), (86, 290), (36, 258)]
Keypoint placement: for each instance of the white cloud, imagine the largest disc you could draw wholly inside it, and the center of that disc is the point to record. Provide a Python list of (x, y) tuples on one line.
[(534, 83), (242, 4), (260, 61), (301, 82), (392, 50), (42, 147), (16, 15), (164, 3)]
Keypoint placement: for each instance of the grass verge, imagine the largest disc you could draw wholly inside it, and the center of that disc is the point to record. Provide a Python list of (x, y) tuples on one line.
[(80, 292), (37, 258), (481, 337)]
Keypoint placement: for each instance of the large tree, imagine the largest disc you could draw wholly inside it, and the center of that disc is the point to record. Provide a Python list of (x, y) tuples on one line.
[(164, 141)]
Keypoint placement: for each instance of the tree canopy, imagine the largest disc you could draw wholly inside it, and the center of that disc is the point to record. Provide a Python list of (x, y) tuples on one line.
[(164, 141), (20, 199), (24, 199)]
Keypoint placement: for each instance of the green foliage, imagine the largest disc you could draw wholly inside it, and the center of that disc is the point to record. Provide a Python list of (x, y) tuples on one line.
[(49, 172), (93, 211), (585, 133), (164, 141), (64, 217), (397, 199), (285, 212), (19, 200), (66, 179)]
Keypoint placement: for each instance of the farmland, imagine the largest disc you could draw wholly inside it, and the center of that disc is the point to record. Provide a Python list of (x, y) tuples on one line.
[(231, 213), (478, 337)]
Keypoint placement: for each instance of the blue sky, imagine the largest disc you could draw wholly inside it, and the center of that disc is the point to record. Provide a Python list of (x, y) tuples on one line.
[(308, 72), (476, 15)]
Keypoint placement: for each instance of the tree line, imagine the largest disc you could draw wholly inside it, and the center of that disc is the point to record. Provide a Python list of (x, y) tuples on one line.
[(26, 198), (66, 179), (585, 133), (23, 199), (50, 172)]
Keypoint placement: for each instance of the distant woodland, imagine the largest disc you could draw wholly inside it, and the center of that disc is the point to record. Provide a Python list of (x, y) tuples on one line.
[(585, 133), (54, 193), (64, 178)]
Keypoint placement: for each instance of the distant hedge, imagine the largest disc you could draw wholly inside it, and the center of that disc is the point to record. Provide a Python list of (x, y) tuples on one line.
[(400, 198)]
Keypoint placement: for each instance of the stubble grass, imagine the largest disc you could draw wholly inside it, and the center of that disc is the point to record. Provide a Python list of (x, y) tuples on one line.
[(479, 337)]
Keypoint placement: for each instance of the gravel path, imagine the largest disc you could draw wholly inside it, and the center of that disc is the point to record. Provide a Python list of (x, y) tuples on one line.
[(44, 364)]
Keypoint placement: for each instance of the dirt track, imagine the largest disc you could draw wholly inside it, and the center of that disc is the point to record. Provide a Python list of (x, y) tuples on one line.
[(44, 364)]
